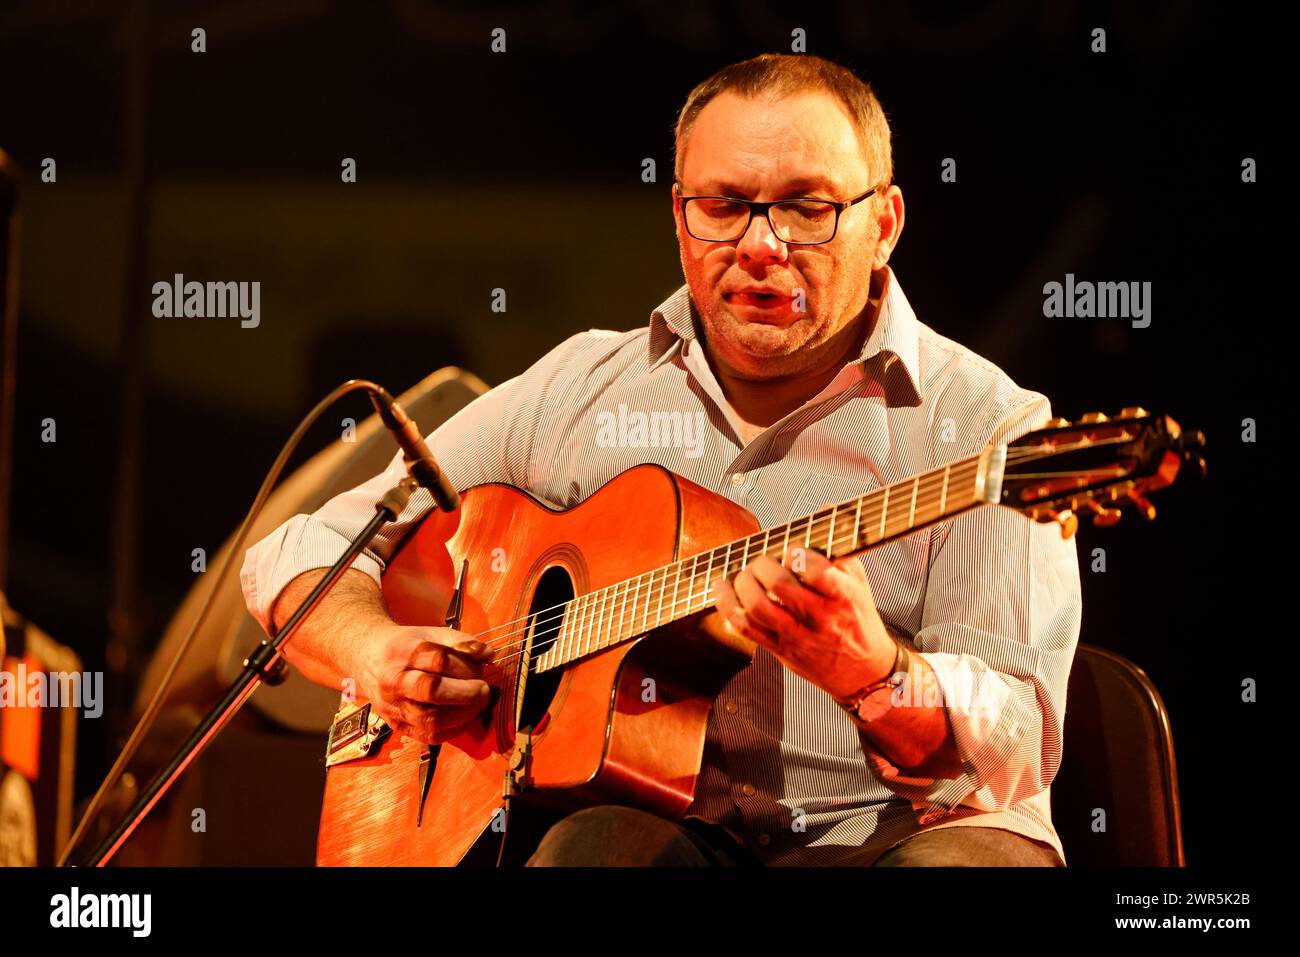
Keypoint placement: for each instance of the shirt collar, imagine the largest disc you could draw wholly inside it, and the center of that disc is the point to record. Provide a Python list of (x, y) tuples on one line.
[(893, 343)]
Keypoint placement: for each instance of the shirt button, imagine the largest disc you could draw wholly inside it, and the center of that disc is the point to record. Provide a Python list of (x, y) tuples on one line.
[(738, 479), (747, 790), (731, 707), (765, 839)]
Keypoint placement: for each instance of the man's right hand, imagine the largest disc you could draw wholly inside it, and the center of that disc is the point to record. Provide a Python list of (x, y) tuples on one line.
[(425, 682)]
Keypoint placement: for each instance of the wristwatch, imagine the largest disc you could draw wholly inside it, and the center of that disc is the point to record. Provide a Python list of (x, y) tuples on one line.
[(896, 676)]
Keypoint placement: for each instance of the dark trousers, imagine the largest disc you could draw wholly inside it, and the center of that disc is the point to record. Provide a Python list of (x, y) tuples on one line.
[(611, 836)]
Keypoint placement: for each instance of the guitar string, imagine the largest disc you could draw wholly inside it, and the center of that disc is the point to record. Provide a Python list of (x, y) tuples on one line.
[(531, 621), (800, 526), (594, 615)]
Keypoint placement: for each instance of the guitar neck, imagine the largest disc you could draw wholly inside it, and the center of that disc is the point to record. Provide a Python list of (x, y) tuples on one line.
[(626, 609)]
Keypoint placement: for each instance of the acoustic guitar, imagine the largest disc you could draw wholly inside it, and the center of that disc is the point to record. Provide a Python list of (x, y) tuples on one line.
[(608, 654)]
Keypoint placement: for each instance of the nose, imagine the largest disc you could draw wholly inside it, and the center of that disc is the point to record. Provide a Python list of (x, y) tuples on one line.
[(760, 244)]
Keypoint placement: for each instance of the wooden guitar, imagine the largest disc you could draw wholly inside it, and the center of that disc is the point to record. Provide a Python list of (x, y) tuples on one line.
[(608, 655)]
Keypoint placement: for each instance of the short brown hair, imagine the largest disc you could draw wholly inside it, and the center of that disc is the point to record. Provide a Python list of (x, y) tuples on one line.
[(783, 74)]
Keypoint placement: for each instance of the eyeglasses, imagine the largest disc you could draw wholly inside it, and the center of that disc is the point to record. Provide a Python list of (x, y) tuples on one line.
[(796, 222)]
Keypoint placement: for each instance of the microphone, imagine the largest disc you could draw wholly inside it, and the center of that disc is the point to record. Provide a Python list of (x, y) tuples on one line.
[(419, 460)]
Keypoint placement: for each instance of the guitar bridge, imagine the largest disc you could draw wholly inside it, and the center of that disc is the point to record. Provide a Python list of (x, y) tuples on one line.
[(354, 734)]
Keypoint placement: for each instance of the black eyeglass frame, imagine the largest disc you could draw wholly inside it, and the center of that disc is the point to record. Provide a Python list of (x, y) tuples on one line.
[(763, 208)]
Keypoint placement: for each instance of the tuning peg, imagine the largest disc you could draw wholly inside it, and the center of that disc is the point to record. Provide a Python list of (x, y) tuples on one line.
[(1068, 521), (1101, 515), (1145, 508), (1057, 423), (1092, 418), (1190, 444), (1133, 412)]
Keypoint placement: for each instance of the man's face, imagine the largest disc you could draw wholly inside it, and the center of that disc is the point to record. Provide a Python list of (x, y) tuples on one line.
[(764, 149)]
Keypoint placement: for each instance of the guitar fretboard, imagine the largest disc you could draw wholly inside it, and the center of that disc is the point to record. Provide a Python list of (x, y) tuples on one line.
[(603, 618)]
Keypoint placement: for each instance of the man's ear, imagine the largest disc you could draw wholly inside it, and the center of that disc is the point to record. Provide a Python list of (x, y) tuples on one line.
[(891, 218)]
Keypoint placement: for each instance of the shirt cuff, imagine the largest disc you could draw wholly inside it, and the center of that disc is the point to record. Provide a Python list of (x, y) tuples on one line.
[(299, 545), (987, 726)]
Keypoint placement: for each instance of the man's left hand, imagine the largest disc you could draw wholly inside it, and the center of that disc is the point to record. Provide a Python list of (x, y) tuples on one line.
[(817, 617)]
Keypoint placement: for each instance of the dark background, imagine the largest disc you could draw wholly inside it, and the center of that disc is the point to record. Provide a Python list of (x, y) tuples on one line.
[(523, 171)]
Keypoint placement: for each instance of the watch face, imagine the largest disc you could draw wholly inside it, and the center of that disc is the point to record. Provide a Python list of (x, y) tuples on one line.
[(17, 821)]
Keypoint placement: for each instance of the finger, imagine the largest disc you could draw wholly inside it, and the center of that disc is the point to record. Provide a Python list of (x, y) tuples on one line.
[(853, 567), (759, 608), (422, 687), (729, 607), (833, 580), (779, 581), (727, 604), (434, 725), (446, 660), (808, 564), (472, 647)]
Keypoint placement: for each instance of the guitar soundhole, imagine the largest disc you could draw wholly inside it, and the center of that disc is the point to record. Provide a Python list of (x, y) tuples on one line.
[(535, 691)]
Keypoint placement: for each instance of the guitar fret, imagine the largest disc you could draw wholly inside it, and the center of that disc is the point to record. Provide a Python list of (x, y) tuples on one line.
[(575, 636), (911, 512), (588, 601), (543, 660), (615, 632), (622, 608), (636, 600), (645, 617), (884, 509), (591, 623), (857, 522), (691, 596), (830, 534), (573, 625), (677, 581), (943, 496), (663, 585), (602, 636), (611, 636), (589, 614)]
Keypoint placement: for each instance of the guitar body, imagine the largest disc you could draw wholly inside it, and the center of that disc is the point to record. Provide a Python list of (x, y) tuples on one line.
[(624, 725)]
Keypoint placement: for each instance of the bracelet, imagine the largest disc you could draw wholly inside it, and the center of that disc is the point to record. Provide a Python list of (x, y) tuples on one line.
[(896, 676)]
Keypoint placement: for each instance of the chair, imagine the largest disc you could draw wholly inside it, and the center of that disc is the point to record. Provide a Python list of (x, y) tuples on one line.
[(1118, 758)]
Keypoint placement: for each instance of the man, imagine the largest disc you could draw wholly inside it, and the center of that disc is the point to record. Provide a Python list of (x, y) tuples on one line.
[(794, 348)]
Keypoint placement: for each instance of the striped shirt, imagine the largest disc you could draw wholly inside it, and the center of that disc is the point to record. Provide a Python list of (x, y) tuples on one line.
[(990, 599)]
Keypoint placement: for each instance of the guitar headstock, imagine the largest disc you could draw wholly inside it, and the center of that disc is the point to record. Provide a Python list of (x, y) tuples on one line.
[(1096, 465)]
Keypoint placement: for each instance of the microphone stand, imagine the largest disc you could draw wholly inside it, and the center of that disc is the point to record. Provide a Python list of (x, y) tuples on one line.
[(265, 664)]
